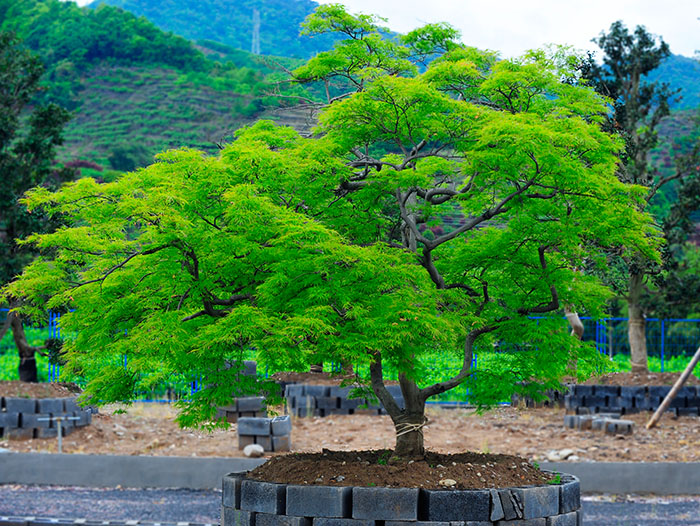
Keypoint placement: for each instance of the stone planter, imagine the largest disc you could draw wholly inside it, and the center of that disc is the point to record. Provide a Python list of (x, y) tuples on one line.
[(25, 418), (248, 502)]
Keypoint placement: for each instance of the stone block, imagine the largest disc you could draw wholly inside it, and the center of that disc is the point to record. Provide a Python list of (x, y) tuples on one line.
[(303, 412), (606, 390), (265, 442), (569, 496), (594, 401), (231, 490), (539, 501), (678, 402), (45, 432), (496, 510), (567, 519), (245, 440), (70, 404), (581, 410), (687, 411), (281, 425), (250, 368), (34, 420), (619, 427), (659, 390), (282, 443), (293, 390), (598, 424), (339, 392), (18, 433), (395, 390), (19, 405), (49, 405), (233, 517), (85, 418), (254, 426), (458, 505), (327, 402), (319, 501), (317, 391), (583, 390), (633, 391), (584, 422), (579, 517), (571, 421), (263, 497), (250, 403), (385, 503), (268, 519), (332, 521), (9, 420), (351, 403)]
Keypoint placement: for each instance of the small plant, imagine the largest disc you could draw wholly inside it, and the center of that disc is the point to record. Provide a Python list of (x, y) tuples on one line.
[(536, 464), (384, 458), (556, 479)]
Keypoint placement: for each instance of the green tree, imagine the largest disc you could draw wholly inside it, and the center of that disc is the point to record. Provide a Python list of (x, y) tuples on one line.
[(311, 249), (28, 138), (639, 106)]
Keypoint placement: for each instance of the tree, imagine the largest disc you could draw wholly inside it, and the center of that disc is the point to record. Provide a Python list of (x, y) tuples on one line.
[(28, 138), (312, 249), (639, 106)]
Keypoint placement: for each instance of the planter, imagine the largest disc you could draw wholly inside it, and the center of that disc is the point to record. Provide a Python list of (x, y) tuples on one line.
[(248, 502), (26, 418)]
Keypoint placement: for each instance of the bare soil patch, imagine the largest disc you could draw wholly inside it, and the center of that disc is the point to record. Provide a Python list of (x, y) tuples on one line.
[(16, 388), (377, 468), (640, 379), (149, 429)]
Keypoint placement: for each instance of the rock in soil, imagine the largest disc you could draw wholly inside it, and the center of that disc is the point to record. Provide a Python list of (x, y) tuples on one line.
[(253, 451)]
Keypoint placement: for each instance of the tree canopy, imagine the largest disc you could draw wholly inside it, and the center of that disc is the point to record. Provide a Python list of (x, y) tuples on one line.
[(310, 249)]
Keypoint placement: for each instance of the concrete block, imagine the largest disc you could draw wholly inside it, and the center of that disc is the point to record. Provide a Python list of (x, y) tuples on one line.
[(569, 496), (385, 503), (317, 391), (85, 418), (351, 403), (254, 426), (70, 404), (319, 501), (619, 427), (598, 424), (269, 519), (45, 432), (251, 403), (571, 421), (678, 402), (9, 420), (305, 402), (230, 417), (18, 433), (458, 505), (332, 521), (65, 423), (32, 420), (293, 390), (245, 440), (339, 392), (568, 519), (581, 410), (395, 390), (327, 402), (659, 390), (584, 422), (594, 401), (693, 402), (250, 368), (583, 390), (231, 490), (303, 412), (281, 425), (606, 390), (687, 411), (633, 391), (496, 510), (49, 405), (263, 497), (282, 443), (19, 405), (233, 517), (541, 501), (579, 517), (265, 442), (340, 411)]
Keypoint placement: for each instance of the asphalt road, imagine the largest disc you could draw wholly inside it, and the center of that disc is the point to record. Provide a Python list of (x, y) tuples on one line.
[(202, 506)]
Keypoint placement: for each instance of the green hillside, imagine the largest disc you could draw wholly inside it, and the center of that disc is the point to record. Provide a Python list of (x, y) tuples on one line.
[(680, 72), (231, 23)]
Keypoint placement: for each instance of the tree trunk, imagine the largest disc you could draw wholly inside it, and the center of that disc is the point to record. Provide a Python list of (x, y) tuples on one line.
[(27, 353), (636, 330), (409, 422)]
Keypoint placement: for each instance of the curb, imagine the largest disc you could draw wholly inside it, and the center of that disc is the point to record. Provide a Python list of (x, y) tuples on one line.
[(661, 478)]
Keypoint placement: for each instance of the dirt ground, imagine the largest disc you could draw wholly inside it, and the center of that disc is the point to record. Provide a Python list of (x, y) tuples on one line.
[(149, 429)]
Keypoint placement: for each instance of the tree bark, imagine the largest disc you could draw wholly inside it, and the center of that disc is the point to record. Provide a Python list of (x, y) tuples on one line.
[(27, 353), (636, 330)]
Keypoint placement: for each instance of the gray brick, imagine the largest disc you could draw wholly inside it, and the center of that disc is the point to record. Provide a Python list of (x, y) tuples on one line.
[(231, 490), (250, 403), (351, 403), (31, 420), (458, 505), (18, 433), (281, 425), (85, 418), (332, 521), (584, 422), (269, 519), (571, 421), (687, 411), (496, 512), (319, 501), (583, 390), (394, 390), (264, 497), (9, 420), (569, 496), (233, 517), (579, 518), (70, 404), (282, 443), (568, 519), (606, 390), (659, 390), (250, 368), (317, 390), (633, 391), (511, 504), (245, 440), (541, 501), (523, 522), (49, 405), (305, 402), (293, 390), (619, 427), (264, 441), (327, 402), (385, 503), (254, 426), (594, 401), (45, 432), (340, 392), (19, 405)]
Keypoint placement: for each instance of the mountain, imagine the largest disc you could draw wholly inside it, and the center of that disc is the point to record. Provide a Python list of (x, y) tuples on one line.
[(680, 72), (231, 22)]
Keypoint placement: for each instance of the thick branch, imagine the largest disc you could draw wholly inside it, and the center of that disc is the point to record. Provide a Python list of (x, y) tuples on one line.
[(376, 375)]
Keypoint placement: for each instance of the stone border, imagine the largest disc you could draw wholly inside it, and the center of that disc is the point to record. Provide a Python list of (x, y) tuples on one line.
[(11, 520), (248, 502), (24, 418), (588, 399), (323, 400)]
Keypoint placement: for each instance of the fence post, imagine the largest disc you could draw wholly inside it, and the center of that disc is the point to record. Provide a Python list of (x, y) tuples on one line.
[(663, 339)]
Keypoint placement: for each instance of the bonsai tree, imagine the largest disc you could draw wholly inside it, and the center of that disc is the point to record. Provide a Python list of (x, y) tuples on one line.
[(327, 249)]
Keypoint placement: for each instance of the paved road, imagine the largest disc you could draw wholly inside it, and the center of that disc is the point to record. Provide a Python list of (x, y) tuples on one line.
[(202, 506)]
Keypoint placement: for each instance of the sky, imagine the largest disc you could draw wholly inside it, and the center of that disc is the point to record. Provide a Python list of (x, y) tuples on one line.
[(514, 26)]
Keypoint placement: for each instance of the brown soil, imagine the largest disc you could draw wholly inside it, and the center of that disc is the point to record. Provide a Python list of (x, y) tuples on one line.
[(377, 468), (149, 429), (38, 390), (639, 379)]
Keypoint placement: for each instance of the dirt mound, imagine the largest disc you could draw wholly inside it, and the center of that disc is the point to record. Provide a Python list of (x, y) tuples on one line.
[(15, 388), (640, 379), (376, 468)]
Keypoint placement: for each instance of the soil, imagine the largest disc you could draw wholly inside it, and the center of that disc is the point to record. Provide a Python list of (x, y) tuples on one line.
[(639, 379), (378, 468), (38, 390)]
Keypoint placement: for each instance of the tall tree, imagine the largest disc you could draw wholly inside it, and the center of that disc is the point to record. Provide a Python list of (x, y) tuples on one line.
[(313, 249), (28, 139), (638, 108)]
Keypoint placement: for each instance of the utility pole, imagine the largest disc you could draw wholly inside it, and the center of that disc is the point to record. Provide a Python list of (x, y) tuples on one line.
[(255, 46)]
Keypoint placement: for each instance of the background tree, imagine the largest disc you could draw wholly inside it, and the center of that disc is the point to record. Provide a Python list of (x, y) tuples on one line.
[(639, 106), (313, 250), (28, 138)]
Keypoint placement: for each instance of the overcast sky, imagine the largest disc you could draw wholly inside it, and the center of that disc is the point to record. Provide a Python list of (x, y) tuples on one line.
[(513, 26)]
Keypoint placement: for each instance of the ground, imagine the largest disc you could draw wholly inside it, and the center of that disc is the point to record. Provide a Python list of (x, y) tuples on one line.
[(149, 429)]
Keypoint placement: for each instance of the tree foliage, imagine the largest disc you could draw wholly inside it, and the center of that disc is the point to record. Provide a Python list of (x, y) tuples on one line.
[(312, 249)]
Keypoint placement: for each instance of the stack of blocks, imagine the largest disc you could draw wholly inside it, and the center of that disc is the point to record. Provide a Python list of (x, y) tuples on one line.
[(323, 400), (249, 407), (273, 434), (590, 399), (24, 418)]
